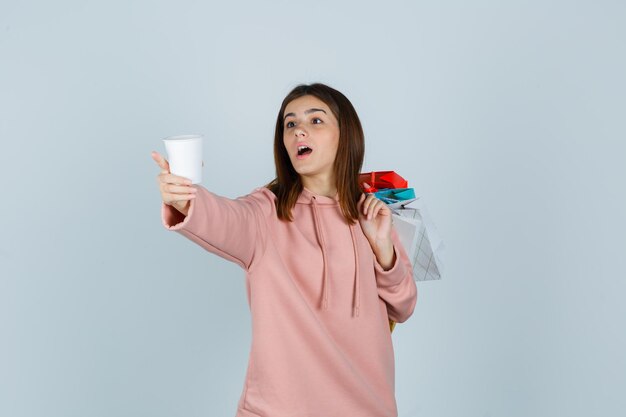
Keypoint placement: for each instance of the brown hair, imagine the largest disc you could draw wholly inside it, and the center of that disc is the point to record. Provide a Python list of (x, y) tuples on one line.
[(287, 185)]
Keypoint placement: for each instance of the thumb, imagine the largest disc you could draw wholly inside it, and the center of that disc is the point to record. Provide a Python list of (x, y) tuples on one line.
[(368, 188), (162, 162), (360, 201)]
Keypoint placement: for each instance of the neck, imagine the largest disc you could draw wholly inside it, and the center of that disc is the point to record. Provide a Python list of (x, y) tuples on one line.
[(320, 186)]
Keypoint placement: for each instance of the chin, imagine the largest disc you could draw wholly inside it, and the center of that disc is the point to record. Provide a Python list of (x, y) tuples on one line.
[(304, 171)]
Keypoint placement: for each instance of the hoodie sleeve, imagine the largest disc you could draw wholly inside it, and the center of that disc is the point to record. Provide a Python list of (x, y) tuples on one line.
[(396, 286), (234, 229)]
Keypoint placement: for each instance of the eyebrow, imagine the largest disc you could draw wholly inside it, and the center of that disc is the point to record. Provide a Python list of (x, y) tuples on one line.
[(305, 112)]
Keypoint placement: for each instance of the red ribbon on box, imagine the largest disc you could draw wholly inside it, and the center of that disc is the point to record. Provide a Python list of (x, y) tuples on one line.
[(381, 179)]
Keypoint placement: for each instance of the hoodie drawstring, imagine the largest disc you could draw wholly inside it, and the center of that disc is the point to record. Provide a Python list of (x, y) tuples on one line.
[(320, 237), (356, 272)]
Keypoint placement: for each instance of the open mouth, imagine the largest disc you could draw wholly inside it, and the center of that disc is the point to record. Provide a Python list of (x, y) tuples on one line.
[(304, 150)]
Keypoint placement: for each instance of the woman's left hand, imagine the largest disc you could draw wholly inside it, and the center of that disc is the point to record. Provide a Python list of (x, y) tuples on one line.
[(375, 219)]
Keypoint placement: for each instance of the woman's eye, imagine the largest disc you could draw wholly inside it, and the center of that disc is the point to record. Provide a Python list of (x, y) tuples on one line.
[(290, 124)]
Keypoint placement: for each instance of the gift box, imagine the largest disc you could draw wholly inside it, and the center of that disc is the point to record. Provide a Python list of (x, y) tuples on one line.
[(382, 179), (395, 195)]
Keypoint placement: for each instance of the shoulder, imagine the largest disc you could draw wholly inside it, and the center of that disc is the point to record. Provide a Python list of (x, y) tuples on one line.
[(263, 194), (264, 200)]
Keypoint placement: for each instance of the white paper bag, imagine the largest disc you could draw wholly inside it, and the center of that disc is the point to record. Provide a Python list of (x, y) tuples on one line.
[(419, 236)]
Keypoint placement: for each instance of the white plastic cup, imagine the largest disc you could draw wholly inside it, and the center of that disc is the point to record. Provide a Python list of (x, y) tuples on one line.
[(184, 154)]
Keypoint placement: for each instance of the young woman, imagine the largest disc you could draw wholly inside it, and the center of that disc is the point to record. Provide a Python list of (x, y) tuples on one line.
[(325, 271)]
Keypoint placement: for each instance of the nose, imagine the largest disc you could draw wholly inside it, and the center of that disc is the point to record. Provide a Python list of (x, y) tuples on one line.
[(298, 131)]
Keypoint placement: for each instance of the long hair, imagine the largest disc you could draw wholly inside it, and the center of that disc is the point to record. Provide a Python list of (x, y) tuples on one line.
[(287, 185)]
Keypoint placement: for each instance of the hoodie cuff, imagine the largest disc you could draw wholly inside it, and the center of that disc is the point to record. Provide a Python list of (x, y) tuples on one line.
[(173, 219), (393, 276)]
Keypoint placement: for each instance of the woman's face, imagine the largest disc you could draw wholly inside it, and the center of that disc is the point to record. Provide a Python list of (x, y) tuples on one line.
[(309, 122)]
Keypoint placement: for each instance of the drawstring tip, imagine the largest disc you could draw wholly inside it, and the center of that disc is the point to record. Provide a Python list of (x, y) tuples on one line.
[(356, 311)]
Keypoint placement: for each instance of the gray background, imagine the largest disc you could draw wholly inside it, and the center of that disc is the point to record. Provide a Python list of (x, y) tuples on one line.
[(507, 117)]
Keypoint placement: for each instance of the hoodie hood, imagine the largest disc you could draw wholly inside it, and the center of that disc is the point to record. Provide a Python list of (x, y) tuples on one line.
[(314, 201)]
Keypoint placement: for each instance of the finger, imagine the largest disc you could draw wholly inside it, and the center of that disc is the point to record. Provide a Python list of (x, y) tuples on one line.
[(172, 198), (368, 213), (366, 201), (384, 209), (162, 162), (179, 189), (359, 205), (174, 179), (371, 198), (380, 209), (374, 209), (164, 165)]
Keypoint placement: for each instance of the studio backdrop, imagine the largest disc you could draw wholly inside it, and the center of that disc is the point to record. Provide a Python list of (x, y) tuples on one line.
[(506, 117)]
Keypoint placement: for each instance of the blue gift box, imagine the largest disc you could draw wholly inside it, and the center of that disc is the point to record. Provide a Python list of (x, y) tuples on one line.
[(395, 195)]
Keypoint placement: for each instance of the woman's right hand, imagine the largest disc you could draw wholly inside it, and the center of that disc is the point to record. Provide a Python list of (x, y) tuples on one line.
[(175, 191)]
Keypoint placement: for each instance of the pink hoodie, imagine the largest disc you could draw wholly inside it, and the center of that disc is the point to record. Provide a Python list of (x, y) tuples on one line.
[(319, 300)]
